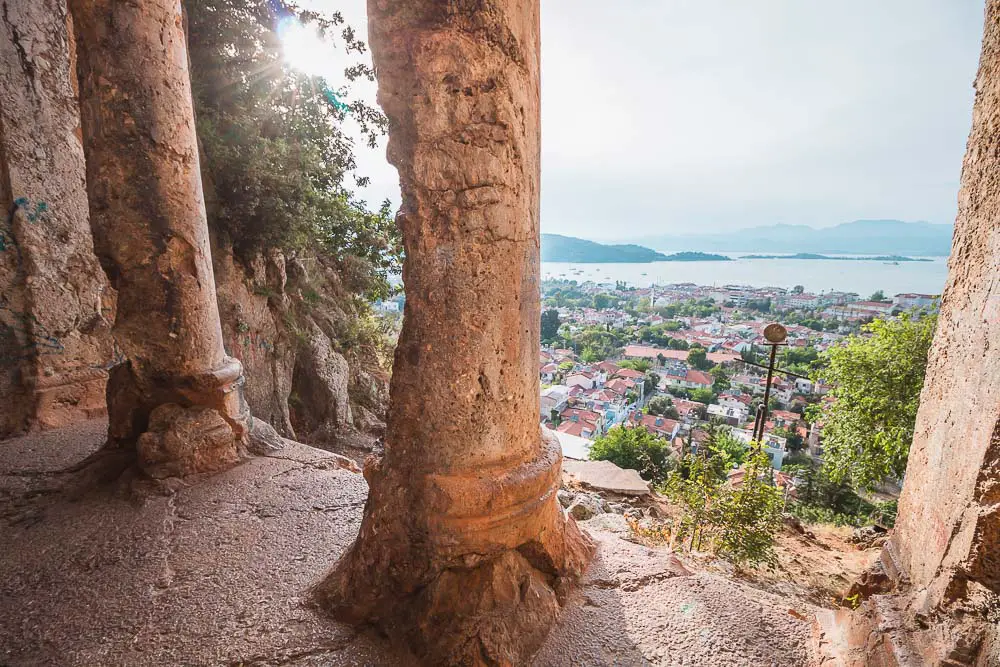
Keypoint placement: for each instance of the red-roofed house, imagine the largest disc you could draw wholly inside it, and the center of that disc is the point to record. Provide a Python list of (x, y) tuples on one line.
[(548, 373), (579, 429), (659, 426), (653, 353), (630, 374), (783, 418), (583, 379), (576, 414), (685, 408), (581, 423), (723, 357), (693, 379), (607, 368), (619, 386)]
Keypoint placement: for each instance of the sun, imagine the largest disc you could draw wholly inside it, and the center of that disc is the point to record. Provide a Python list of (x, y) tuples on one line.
[(304, 50)]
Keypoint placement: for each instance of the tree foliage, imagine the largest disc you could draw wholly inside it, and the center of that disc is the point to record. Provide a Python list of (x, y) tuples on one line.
[(876, 381), (749, 517), (695, 486), (637, 449), (737, 524), (722, 444), (550, 324), (640, 365), (703, 396), (659, 405), (277, 163), (596, 344), (698, 357)]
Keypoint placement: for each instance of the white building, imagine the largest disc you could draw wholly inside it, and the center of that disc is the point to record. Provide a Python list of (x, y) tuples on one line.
[(731, 415), (580, 379), (554, 398), (803, 386), (774, 446), (908, 301)]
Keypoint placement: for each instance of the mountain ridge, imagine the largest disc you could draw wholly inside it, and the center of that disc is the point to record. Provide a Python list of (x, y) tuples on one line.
[(560, 248), (865, 237)]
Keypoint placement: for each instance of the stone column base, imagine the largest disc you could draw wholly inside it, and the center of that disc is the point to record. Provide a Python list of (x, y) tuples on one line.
[(185, 425), (466, 568)]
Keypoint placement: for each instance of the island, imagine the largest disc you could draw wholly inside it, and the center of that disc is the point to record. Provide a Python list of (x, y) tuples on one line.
[(696, 257), (874, 258), (558, 248)]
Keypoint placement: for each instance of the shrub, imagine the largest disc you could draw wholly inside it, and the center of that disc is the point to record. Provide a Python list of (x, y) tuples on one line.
[(749, 517), (637, 449)]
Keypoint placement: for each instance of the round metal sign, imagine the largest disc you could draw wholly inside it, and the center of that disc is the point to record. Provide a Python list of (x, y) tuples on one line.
[(775, 333)]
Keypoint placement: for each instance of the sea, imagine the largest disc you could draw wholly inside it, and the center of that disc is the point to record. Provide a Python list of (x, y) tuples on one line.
[(816, 275)]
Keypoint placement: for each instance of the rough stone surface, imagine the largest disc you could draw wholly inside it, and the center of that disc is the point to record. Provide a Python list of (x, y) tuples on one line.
[(55, 305), (321, 380), (148, 215), (253, 307), (263, 438), (218, 574), (296, 379), (146, 201), (215, 574), (462, 529), (183, 441), (606, 476), (641, 606), (585, 507)]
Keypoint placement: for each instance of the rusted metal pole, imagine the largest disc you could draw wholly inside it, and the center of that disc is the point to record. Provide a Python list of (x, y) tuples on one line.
[(767, 391)]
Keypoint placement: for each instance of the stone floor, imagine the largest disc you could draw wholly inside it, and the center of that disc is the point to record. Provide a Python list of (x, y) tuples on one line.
[(217, 574)]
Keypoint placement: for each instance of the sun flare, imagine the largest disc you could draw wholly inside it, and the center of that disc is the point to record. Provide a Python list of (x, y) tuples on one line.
[(304, 50)]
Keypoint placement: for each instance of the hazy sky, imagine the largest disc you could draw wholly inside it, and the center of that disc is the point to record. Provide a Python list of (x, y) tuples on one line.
[(687, 116)]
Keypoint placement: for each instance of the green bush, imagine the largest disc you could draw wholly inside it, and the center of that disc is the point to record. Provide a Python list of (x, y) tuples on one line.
[(737, 524), (637, 449), (748, 518)]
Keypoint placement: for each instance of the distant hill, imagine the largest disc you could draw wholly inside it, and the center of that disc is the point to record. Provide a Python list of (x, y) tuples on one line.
[(861, 237), (557, 248), (866, 258), (696, 257)]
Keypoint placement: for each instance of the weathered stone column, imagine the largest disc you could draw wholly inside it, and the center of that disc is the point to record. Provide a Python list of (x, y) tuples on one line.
[(178, 395), (944, 554), (463, 543), (55, 338)]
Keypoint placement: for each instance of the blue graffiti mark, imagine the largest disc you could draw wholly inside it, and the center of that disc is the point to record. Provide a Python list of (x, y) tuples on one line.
[(23, 336), (37, 339), (117, 357), (32, 214)]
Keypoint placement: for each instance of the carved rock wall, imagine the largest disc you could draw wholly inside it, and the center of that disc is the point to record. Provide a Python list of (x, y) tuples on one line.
[(250, 307), (297, 378), (948, 532), (55, 304)]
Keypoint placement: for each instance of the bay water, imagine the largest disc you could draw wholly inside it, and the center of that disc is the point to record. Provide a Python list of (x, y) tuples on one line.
[(816, 275)]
